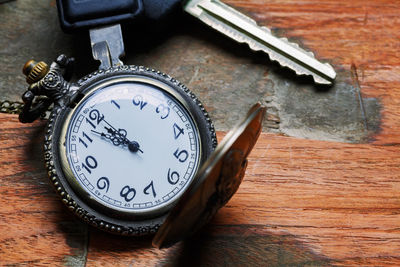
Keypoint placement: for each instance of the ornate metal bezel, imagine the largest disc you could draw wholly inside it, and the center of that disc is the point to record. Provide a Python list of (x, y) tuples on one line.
[(52, 157)]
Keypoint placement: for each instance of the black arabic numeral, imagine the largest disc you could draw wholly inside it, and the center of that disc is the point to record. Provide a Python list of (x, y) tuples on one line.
[(139, 101), (146, 189), (182, 156), (173, 177), (116, 104), (91, 123), (177, 131), (87, 138), (91, 163), (103, 183), (128, 193), (163, 110), (95, 115)]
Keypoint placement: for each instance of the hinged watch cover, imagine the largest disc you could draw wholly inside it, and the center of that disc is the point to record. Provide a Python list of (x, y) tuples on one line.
[(215, 183)]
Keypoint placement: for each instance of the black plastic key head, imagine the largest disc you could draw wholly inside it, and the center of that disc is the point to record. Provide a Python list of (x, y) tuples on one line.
[(78, 14)]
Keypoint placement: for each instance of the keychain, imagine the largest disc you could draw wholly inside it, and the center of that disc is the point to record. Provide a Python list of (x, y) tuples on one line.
[(130, 150)]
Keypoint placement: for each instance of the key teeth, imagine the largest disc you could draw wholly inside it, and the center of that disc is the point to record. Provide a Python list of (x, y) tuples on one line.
[(311, 54), (297, 46), (210, 15), (266, 29), (281, 60)]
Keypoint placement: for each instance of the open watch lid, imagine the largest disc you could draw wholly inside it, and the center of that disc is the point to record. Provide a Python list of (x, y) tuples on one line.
[(215, 183)]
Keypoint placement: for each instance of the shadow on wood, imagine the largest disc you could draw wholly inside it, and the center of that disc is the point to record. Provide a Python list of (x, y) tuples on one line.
[(215, 245), (244, 245)]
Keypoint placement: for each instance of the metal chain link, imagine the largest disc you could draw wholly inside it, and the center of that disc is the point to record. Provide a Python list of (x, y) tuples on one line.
[(11, 107)]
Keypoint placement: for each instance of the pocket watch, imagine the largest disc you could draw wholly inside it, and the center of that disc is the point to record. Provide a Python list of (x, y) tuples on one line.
[(125, 145)]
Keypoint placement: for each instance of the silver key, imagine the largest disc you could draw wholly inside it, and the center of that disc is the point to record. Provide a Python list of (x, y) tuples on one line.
[(245, 30)]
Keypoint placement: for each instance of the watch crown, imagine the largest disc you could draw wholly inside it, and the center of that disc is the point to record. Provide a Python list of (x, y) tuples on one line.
[(34, 71)]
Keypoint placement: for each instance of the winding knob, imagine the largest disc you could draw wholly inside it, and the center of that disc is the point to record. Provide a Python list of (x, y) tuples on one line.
[(34, 71)]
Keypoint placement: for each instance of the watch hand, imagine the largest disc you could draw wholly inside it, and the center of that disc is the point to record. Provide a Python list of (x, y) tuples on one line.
[(120, 133), (112, 128), (133, 146), (108, 136), (118, 138)]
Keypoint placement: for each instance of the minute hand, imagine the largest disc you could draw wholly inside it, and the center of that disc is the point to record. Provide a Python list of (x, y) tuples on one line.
[(118, 137)]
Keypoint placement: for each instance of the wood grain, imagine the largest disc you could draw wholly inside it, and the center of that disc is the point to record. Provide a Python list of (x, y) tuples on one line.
[(35, 229), (302, 202), (361, 32)]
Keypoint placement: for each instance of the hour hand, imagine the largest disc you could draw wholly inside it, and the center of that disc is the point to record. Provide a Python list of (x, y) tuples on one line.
[(133, 146), (118, 137)]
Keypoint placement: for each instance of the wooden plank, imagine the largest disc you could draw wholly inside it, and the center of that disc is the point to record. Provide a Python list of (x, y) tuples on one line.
[(363, 33), (35, 228), (302, 202)]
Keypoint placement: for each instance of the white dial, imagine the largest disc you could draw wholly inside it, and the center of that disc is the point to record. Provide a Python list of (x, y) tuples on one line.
[(132, 147)]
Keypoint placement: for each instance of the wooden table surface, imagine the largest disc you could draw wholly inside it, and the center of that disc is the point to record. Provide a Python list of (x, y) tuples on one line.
[(323, 183)]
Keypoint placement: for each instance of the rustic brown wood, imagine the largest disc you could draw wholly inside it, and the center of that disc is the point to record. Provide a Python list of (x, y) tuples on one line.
[(363, 33), (302, 202), (35, 229)]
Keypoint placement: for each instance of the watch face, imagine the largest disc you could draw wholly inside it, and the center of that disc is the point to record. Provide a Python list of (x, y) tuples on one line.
[(131, 147)]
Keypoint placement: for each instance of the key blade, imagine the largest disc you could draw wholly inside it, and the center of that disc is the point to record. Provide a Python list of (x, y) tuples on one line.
[(243, 29)]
